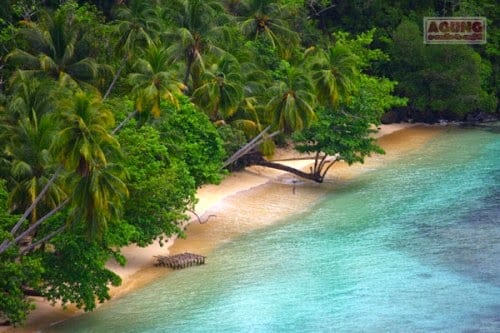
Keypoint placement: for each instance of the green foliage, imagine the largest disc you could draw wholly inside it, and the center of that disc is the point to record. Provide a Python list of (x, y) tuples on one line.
[(338, 133), (16, 277), (443, 79), (15, 274), (190, 136), (244, 64), (153, 80), (160, 185), (76, 273), (232, 137)]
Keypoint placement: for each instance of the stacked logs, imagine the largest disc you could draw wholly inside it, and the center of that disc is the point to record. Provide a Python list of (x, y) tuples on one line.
[(179, 261)]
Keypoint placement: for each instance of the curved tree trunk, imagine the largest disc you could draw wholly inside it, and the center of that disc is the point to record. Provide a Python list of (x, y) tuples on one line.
[(314, 176)]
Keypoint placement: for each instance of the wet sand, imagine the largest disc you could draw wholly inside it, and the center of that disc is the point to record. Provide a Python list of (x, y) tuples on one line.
[(243, 202)]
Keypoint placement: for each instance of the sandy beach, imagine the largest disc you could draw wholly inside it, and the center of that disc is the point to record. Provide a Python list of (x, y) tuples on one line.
[(245, 201)]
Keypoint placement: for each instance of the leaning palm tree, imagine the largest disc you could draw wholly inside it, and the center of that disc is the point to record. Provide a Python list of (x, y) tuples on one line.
[(154, 79), (221, 91), (54, 47), (31, 164), (291, 105), (334, 73), (29, 129)]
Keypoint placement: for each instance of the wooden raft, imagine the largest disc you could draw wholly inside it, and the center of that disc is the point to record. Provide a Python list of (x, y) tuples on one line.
[(179, 261)]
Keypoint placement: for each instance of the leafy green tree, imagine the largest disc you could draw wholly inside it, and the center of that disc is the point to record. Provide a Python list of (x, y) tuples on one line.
[(83, 146), (137, 25), (97, 199), (189, 135), (16, 274), (428, 75), (29, 130), (84, 133), (160, 185), (75, 271), (344, 133)]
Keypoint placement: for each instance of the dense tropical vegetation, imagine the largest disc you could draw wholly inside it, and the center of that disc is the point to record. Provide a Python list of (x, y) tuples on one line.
[(113, 113)]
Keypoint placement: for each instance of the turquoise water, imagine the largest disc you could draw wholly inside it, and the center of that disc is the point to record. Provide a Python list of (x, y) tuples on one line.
[(413, 246)]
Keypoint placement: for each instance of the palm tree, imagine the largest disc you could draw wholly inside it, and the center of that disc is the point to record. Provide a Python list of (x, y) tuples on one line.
[(84, 139), (334, 73), (31, 164), (83, 146), (291, 104), (97, 198), (30, 97), (154, 80), (53, 47), (197, 31), (266, 19), (221, 91), (137, 25), (29, 130)]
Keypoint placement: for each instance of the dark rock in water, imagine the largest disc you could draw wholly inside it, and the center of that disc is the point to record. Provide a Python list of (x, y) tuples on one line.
[(481, 117)]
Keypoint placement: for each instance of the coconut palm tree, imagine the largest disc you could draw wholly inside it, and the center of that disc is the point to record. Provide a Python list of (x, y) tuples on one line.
[(84, 146), (221, 91), (137, 25), (97, 198), (29, 130), (31, 166), (83, 139), (154, 80), (198, 27), (267, 19), (334, 73), (54, 47), (291, 106)]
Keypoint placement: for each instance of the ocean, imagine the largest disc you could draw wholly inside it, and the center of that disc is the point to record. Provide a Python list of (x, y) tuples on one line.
[(410, 246)]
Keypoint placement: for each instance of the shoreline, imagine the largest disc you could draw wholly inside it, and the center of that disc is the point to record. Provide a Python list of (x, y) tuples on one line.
[(231, 207)]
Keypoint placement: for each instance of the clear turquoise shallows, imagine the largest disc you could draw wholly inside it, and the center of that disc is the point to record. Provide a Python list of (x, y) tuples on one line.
[(413, 246)]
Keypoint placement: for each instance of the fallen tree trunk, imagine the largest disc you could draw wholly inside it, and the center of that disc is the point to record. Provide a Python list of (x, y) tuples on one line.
[(316, 174)]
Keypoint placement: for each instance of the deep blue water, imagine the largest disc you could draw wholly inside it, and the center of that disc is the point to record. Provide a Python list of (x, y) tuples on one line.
[(413, 246)]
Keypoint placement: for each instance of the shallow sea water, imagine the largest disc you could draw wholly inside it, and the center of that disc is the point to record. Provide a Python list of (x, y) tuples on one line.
[(413, 246)]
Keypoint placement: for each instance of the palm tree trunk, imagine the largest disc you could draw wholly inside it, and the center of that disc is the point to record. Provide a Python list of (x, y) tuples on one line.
[(43, 240), (34, 226), (115, 78), (188, 70), (37, 200)]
